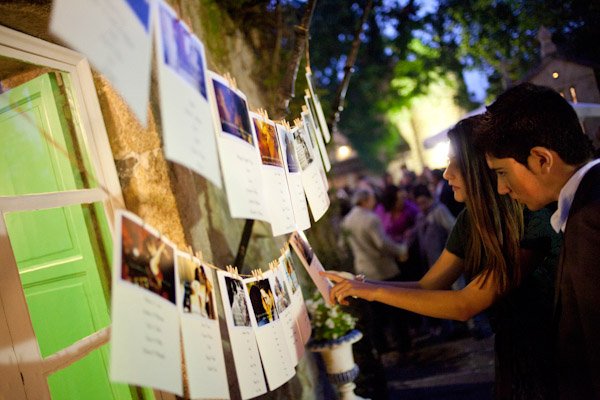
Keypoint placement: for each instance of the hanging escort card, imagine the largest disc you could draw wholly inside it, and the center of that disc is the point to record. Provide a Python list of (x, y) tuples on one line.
[(272, 342), (317, 106), (294, 178), (313, 179), (311, 122), (145, 345), (298, 306), (241, 336), (285, 308), (311, 263), (203, 353), (274, 183), (240, 161), (188, 128), (115, 35)]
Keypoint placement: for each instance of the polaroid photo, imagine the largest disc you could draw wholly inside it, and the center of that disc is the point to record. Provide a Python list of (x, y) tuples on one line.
[(145, 342)]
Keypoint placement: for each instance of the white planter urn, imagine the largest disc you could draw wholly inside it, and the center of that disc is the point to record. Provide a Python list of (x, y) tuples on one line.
[(339, 362)]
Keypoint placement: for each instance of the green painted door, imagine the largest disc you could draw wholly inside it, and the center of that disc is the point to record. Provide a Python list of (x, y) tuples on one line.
[(54, 248)]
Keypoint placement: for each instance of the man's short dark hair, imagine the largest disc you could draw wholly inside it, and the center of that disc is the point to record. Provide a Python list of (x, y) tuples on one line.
[(529, 115)]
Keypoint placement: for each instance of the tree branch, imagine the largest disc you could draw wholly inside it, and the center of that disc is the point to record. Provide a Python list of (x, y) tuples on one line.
[(338, 103), (286, 90)]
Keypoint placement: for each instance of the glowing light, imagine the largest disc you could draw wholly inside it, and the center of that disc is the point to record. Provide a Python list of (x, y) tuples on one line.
[(555, 75), (343, 152), (439, 154)]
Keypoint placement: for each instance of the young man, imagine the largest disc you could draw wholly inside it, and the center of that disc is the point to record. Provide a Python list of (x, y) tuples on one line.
[(535, 144)]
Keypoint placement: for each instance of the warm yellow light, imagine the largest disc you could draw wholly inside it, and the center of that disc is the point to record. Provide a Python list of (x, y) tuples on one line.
[(555, 75), (439, 154), (343, 152)]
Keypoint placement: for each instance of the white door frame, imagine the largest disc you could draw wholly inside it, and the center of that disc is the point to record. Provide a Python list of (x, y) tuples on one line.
[(25, 378)]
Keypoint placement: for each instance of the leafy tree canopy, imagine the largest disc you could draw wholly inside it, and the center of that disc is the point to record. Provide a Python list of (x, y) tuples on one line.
[(408, 44)]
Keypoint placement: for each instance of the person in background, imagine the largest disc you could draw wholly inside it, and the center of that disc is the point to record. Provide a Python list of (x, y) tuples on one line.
[(396, 212), (535, 145), (442, 192), (487, 244), (375, 254)]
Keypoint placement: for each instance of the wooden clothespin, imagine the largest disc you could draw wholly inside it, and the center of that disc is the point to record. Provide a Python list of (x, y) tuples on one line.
[(304, 108), (307, 93), (263, 113), (199, 256), (233, 271), (297, 122), (258, 274), (308, 70), (231, 80), (273, 265), (285, 124)]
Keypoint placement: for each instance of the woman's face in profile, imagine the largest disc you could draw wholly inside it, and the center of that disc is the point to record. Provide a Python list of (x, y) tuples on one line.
[(455, 178)]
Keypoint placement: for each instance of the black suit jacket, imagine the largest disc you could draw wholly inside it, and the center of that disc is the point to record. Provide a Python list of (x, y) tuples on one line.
[(577, 307)]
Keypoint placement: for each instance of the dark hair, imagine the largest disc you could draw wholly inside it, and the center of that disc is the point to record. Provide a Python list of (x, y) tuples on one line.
[(496, 220), (422, 190), (528, 115), (389, 197)]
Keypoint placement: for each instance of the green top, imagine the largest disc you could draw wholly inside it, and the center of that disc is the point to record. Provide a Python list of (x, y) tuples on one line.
[(457, 241), (522, 317)]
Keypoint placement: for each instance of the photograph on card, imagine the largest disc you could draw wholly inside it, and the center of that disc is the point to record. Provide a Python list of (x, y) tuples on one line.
[(318, 109), (233, 112), (286, 262), (287, 143), (141, 9), (309, 126), (302, 248), (237, 302), (146, 260), (311, 263), (268, 144), (303, 146), (182, 51), (263, 301), (197, 289), (282, 297)]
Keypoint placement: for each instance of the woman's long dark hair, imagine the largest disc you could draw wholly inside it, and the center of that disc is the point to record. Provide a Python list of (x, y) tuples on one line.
[(496, 226)]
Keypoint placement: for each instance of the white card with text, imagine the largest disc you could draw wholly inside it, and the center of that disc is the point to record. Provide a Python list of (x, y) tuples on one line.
[(270, 333), (145, 345), (203, 351), (187, 120), (241, 336), (116, 36)]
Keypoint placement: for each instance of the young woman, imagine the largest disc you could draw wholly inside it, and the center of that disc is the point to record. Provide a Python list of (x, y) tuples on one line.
[(488, 246)]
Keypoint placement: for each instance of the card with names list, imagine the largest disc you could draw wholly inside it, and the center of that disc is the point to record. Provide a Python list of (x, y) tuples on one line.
[(237, 145), (187, 120), (203, 351), (274, 182), (285, 307), (313, 176), (116, 36), (244, 348), (312, 123), (270, 336), (145, 345), (299, 310), (311, 263), (294, 178)]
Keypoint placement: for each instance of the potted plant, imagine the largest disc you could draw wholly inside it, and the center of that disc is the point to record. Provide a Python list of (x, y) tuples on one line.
[(333, 334)]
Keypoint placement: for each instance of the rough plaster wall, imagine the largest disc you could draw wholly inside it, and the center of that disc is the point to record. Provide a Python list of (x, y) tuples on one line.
[(183, 206)]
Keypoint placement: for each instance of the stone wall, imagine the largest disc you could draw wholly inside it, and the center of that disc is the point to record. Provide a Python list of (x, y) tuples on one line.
[(182, 205)]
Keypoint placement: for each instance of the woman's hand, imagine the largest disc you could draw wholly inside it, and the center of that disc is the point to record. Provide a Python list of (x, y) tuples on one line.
[(345, 287)]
